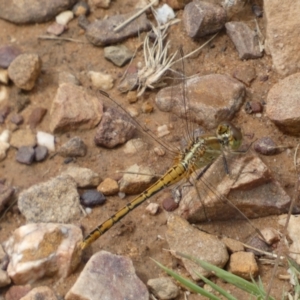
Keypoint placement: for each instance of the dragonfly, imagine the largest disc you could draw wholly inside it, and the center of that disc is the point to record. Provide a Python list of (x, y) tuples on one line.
[(199, 153)]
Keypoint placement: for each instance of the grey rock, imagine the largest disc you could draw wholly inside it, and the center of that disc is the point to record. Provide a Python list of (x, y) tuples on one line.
[(266, 146), (248, 188), (210, 99), (24, 70), (130, 81), (92, 198), (56, 200), (202, 18), (163, 288), (81, 8), (114, 129), (196, 243), (25, 155), (244, 39), (73, 108), (283, 104), (73, 148), (32, 11), (119, 55), (40, 153), (17, 119), (101, 32), (6, 193), (83, 22), (8, 54), (257, 10), (253, 107), (105, 273)]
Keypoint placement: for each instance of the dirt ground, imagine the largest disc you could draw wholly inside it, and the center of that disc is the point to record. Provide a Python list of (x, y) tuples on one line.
[(137, 235)]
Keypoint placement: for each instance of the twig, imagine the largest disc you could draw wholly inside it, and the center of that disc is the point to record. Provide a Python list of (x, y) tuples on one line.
[(133, 17), (51, 37)]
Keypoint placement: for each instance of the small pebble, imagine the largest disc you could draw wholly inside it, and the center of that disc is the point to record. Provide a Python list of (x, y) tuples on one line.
[(81, 8), (25, 155), (3, 93), (68, 160), (133, 112), (264, 78), (164, 14), (257, 11), (7, 55), (108, 187), (132, 96), (121, 195), (118, 55), (45, 139), (4, 111), (64, 17), (159, 151), (253, 107), (36, 116), (73, 148), (88, 210), (271, 236), (17, 119), (265, 146), (162, 131), (40, 153), (56, 29), (152, 208), (169, 204), (101, 80), (258, 243), (5, 136), (147, 108), (4, 76), (91, 198)]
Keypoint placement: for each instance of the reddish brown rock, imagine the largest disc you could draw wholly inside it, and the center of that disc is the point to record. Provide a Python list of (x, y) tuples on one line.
[(36, 116)]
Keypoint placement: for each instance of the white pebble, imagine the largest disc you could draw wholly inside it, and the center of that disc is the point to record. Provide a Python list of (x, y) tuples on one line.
[(4, 76), (46, 139), (64, 17), (3, 148), (162, 131), (88, 210), (5, 136), (152, 208), (3, 93), (164, 14), (121, 195), (101, 80)]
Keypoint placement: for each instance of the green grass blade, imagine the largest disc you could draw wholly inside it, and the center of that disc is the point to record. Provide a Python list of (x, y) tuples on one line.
[(187, 283)]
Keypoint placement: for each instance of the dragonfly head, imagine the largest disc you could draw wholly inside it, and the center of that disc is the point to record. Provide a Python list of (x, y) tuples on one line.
[(229, 135)]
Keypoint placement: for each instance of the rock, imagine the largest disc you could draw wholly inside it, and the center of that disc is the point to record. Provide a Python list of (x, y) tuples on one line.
[(6, 193), (64, 17), (114, 129), (134, 146), (152, 208), (73, 109), (41, 250), (104, 274), (101, 32), (253, 107), (40, 153), (23, 137), (17, 292), (3, 149), (24, 70), (134, 181), (108, 187), (132, 96), (245, 74), (92, 198), (162, 131), (75, 147), (257, 10), (84, 177), (119, 55), (81, 8), (5, 136), (244, 39), (163, 288), (33, 11), (243, 264), (281, 37), (232, 245), (8, 54), (100, 3), (41, 293), (258, 243), (202, 18), (46, 139), (130, 81), (66, 77), (36, 116), (17, 119), (55, 200), (169, 204), (56, 29), (83, 22), (102, 81), (164, 14), (271, 236), (147, 108), (211, 99), (197, 244), (3, 93), (293, 232), (265, 146), (283, 104), (4, 76), (25, 155), (248, 188), (4, 111), (4, 279)]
